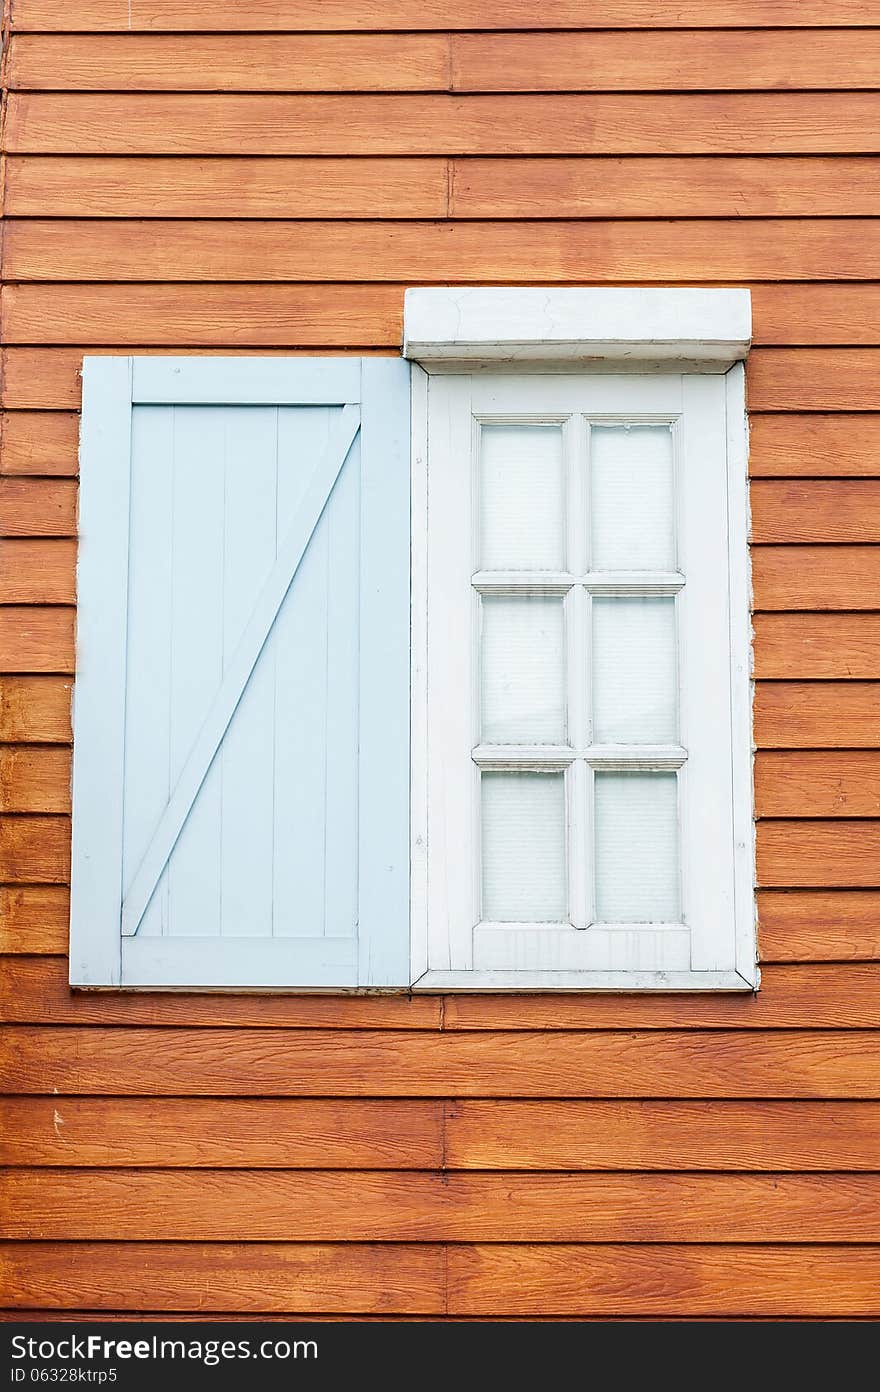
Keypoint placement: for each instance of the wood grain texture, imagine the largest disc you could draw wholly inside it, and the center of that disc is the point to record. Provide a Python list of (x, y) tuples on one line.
[(269, 63), (38, 442), (34, 990), (476, 251), (664, 60), (400, 187), (814, 446), (34, 850), (37, 507), (816, 577), (37, 572), (34, 918), (34, 778), (573, 1135), (813, 379), (442, 123), (284, 1277), (36, 639), (400, 1063), (634, 187), (472, 1134), (35, 708), (726, 1281), (816, 715), (812, 783), (816, 925), (304, 1132), (109, 1205), (799, 646), (274, 15), (799, 854), (105, 186), (815, 510)]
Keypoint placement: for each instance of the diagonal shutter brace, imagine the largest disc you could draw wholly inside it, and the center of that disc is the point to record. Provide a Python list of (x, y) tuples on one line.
[(238, 673)]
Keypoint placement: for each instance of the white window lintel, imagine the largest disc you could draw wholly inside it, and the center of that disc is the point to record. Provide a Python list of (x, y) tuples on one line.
[(448, 326)]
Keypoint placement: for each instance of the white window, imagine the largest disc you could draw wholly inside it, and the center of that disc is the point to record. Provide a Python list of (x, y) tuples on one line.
[(581, 761)]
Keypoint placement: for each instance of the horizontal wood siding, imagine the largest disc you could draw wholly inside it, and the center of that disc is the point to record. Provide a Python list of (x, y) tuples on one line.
[(182, 177)]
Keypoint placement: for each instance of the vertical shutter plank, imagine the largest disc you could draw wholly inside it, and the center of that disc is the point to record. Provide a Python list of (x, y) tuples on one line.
[(99, 708), (148, 674), (247, 752), (300, 691), (383, 856), (196, 657)]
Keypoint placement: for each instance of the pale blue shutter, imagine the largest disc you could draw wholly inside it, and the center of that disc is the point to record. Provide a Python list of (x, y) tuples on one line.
[(241, 726)]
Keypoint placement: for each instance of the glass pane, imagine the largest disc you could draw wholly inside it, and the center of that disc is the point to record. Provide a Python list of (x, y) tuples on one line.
[(632, 497), (523, 671), (524, 874), (637, 871), (635, 684), (521, 497)]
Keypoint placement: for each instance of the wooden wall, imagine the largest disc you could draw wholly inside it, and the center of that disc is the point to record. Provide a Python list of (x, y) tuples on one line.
[(258, 190)]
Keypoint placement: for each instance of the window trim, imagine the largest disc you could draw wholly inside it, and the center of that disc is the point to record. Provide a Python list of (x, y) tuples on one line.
[(463, 321)]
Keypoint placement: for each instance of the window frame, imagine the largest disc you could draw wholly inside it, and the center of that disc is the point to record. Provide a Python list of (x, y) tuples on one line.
[(463, 349)]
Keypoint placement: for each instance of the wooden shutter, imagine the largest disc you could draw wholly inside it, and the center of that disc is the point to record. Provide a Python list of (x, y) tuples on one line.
[(242, 695)]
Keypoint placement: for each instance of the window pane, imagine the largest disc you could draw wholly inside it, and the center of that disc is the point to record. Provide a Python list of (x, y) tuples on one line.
[(524, 874), (635, 684), (637, 871), (632, 497), (523, 671), (521, 497)]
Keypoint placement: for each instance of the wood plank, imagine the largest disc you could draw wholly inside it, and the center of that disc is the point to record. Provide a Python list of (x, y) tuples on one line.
[(627, 187), (202, 1205), (798, 646), (274, 15), (568, 1279), (663, 60), (34, 990), (35, 850), (35, 708), (816, 577), (252, 1133), (801, 854), (572, 1135), (295, 1278), (815, 510), (442, 123), (354, 187), (658, 61), (273, 314), (814, 446), (817, 784), (477, 1135), (37, 572), (259, 250), (34, 918), (37, 507), (813, 379), (34, 778), (34, 639), (39, 442), (98, 1061), (816, 925), (31, 976), (816, 715), (105, 186), (276, 63)]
